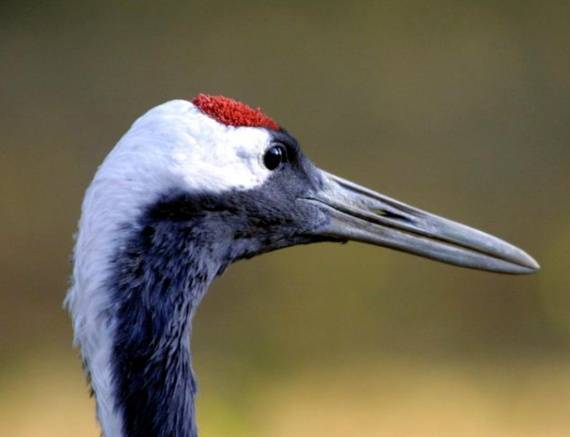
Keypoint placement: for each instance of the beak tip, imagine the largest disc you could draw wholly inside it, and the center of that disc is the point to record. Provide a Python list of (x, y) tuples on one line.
[(529, 264), (533, 265)]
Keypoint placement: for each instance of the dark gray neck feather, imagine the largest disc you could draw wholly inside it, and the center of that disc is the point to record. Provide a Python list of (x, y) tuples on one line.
[(161, 274)]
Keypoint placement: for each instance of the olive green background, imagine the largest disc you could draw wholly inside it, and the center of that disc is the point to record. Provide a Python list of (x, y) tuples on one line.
[(459, 107)]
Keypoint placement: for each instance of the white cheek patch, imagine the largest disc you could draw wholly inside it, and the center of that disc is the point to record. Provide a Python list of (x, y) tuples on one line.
[(176, 140), (228, 158)]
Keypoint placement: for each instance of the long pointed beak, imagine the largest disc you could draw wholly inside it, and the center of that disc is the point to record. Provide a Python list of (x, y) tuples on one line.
[(359, 214)]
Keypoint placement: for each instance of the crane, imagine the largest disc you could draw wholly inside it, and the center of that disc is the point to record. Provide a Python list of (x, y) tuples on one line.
[(192, 187)]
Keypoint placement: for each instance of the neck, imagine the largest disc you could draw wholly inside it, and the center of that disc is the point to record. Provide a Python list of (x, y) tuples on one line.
[(161, 274)]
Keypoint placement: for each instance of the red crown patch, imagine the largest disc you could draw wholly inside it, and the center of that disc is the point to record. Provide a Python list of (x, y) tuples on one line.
[(233, 113)]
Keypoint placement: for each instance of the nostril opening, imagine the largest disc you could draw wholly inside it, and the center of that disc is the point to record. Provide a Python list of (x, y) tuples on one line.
[(391, 215)]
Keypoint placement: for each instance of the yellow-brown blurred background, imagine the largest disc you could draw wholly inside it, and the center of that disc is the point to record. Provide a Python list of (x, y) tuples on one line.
[(459, 107)]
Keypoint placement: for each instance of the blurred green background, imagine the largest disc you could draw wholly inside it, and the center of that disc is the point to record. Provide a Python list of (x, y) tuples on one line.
[(458, 107)]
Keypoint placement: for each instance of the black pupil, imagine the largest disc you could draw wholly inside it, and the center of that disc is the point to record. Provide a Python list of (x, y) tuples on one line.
[(274, 157)]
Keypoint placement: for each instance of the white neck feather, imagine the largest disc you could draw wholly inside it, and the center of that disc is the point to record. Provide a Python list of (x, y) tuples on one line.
[(173, 145)]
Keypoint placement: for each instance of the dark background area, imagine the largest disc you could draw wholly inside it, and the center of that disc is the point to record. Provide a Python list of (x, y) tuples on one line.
[(461, 108)]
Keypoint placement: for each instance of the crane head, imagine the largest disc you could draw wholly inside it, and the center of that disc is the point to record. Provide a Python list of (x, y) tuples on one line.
[(246, 180)]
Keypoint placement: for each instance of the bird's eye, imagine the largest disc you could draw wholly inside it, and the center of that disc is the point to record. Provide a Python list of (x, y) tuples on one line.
[(274, 157)]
